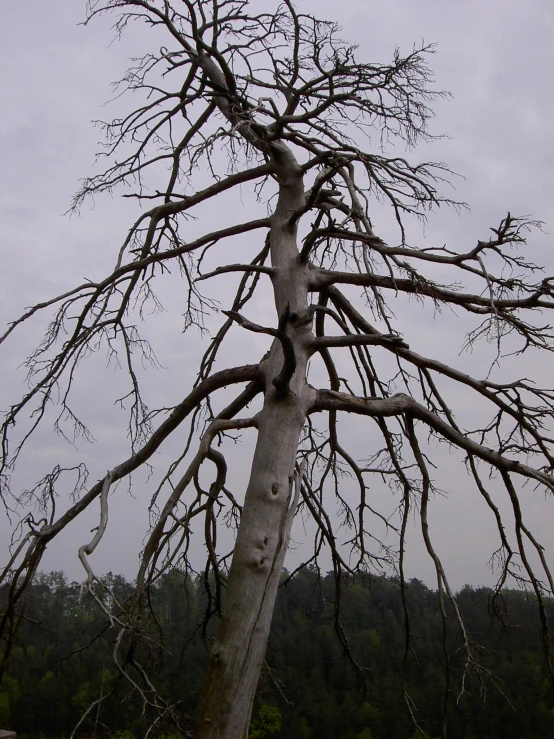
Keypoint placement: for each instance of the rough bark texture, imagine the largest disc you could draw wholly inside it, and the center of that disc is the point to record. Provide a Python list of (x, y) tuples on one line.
[(264, 531), (239, 649)]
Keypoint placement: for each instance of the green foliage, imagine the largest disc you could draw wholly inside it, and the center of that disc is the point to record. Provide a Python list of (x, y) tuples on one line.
[(9, 693), (4, 709), (122, 734), (266, 723), (319, 692), (369, 712), (305, 731), (82, 698)]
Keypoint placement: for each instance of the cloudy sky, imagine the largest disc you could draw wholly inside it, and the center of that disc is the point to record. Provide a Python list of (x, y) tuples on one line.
[(495, 57)]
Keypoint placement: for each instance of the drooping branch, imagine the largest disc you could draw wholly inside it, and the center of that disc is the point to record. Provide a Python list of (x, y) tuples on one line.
[(506, 397), (468, 301), (404, 404), (40, 537), (204, 452)]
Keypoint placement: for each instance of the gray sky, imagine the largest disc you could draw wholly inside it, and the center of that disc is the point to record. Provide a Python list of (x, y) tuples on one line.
[(497, 59)]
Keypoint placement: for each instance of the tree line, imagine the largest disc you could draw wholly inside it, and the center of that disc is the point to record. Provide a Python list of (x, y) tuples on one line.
[(338, 665)]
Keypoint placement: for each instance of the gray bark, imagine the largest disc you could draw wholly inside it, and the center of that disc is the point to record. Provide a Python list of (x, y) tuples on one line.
[(264, 531)]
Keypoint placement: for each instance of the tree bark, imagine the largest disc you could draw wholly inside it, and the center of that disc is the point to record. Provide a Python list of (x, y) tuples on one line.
[(264, 531)]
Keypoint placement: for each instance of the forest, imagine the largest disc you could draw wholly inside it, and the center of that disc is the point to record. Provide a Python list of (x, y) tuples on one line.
[(352, 662)]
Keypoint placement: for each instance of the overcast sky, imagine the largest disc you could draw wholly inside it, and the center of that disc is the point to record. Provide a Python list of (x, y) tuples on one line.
[(495, 57)]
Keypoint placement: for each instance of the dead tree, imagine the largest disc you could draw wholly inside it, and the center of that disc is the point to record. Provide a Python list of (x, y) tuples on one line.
[(275, 105)]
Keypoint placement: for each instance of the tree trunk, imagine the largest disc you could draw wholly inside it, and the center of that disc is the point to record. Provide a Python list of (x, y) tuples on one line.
[(264, 531)]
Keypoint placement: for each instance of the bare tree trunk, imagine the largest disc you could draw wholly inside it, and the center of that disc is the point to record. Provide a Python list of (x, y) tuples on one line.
[(239, 649), (264, 532)]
